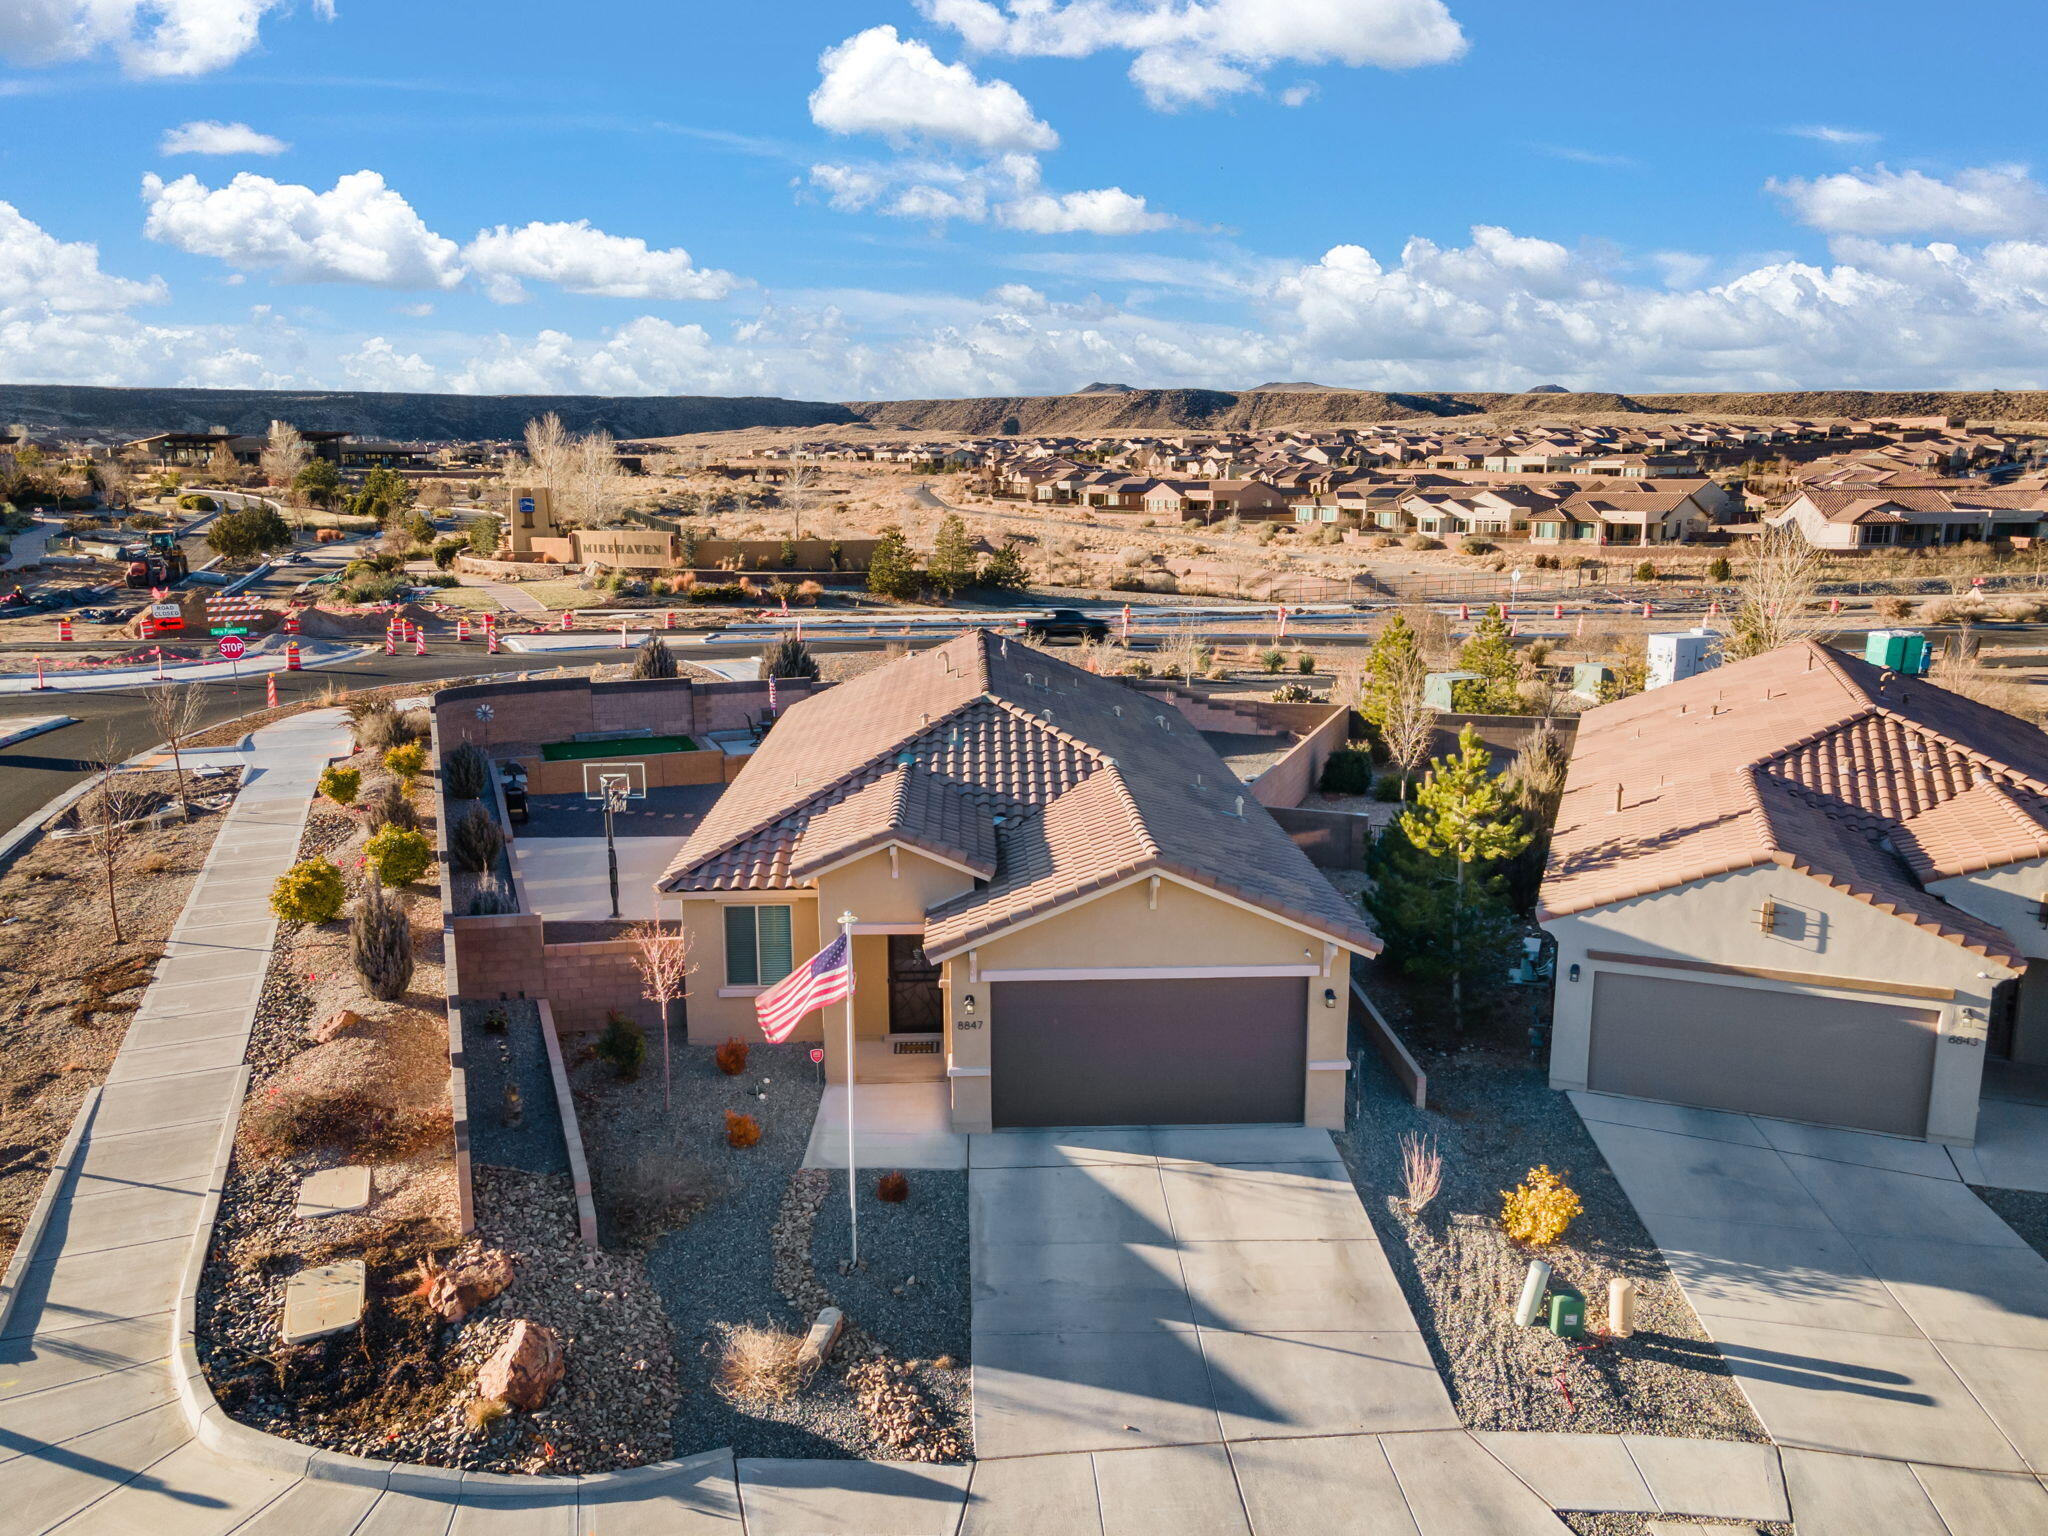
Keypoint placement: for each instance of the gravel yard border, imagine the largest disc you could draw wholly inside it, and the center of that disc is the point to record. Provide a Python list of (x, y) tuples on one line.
[(1493, 1120)]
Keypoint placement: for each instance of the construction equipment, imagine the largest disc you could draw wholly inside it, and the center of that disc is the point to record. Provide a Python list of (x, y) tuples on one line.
[(161, 563)]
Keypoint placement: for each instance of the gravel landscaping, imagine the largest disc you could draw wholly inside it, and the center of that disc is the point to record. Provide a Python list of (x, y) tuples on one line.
[(2021, 1209), (1618, 1524), (1493, 1119), (737, 1238), (522, 1131)]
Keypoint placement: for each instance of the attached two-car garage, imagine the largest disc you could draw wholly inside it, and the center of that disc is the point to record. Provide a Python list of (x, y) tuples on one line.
[(1163, 1051), (1759, 1050)]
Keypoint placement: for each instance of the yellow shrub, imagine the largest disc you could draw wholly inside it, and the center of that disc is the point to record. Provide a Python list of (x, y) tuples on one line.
[(406, 761), (1537, 1211)]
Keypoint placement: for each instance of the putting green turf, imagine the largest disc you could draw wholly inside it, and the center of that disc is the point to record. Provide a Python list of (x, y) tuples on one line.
[(621, 747)]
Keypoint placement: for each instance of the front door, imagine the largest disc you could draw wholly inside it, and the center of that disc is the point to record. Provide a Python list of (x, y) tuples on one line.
[(913, 988)]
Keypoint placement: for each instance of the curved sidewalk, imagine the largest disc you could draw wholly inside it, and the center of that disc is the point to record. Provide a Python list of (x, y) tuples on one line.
[(106, 1427)]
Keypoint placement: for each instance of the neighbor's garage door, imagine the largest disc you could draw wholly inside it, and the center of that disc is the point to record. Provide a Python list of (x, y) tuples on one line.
[(1760, 1052), (1177, 1052)]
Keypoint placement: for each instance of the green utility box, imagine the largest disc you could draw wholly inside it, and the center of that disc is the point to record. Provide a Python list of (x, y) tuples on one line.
[(1568, 1315), (1452, 692), (1898, 650), (1589, 677)]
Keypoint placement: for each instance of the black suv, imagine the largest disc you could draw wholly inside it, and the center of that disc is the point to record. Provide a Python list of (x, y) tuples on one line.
[(1067, 624)]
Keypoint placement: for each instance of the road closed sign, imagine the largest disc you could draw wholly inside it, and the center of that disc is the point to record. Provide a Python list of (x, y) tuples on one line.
[(232, 647)]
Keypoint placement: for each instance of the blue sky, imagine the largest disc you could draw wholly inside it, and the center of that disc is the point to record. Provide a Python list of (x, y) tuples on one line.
[(941, 197)]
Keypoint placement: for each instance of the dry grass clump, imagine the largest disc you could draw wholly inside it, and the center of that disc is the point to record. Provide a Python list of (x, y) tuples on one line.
[(760, 1364), (291, 1120), (654, 1193), (1422, 1169)]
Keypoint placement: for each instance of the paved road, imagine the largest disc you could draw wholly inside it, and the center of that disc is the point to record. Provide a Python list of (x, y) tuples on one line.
[(1865, 1299)]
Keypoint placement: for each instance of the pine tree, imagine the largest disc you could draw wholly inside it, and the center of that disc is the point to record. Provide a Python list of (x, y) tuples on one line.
[(892, 570), (1004, 571), (952, 562), (1490, 651), (1390, 668), (1466, 818)]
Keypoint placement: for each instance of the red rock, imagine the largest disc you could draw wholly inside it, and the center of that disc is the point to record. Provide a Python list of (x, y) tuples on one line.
[(334, 1024), (525, 1368), (459, 1291)]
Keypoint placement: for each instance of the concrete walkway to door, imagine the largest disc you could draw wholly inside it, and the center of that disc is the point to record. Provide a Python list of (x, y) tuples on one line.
[(1866, 1301)]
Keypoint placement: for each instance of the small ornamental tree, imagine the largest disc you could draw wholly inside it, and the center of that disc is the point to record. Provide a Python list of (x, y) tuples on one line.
[(892, 568), (476, 840), (380, 944), (662, 957), (1005, 571), (654, 660), (952, 563), (311, 891), (341, 785), (399, 855), (466, 772), (622, 1045), (1395, 658)]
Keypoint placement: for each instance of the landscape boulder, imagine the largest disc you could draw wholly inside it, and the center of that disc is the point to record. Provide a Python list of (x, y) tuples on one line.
[(525, 1368), (335, 1024), (460, 1289)]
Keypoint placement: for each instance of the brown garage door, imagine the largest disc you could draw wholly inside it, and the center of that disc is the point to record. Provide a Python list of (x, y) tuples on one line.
[(1178, 1052), (1822, 1059)]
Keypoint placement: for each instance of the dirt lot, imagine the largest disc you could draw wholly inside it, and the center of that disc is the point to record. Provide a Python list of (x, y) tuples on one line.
[(67, 990)]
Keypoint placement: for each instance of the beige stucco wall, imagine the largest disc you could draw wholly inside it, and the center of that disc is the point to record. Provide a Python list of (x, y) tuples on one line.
[(1820, 932), (712, 1016), (1127, 927), (2014, 896)]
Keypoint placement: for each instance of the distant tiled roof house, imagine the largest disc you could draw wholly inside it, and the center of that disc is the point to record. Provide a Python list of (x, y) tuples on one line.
[(1779, 885), (1118, 931), (1863, 517)]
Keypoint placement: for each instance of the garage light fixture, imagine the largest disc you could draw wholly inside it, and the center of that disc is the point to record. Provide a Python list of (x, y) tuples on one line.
[(1329, 997), (1574, 973)]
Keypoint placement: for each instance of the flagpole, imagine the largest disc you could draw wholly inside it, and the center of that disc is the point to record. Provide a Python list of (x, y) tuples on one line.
[(846, 921)]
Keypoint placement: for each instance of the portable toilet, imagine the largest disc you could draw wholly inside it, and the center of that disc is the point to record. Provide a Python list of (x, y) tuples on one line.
[(1898, 650), (1451, 692), (1675, 657)]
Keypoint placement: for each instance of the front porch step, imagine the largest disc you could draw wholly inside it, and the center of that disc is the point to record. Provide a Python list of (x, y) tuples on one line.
[(900, 1059)]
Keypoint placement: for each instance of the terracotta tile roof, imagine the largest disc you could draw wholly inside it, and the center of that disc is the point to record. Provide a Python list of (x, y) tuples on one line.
[(1871, 783), (904, 804), (1093, 780)]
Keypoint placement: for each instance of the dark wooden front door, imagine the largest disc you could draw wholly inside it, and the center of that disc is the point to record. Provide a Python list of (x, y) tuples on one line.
[(913, 988)]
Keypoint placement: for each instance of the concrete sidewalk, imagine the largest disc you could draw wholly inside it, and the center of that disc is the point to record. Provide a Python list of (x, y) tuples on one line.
[(1865, 1299)]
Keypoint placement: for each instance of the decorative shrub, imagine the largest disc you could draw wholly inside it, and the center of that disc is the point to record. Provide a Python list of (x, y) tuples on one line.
[(741, 1130), (391, 807), (1305, 663), (311, 891), (1537, 1211), (1347, 772), (1480, 547), (1272, 659), (1422, 541), (622, 1045), (408, 762), (466, 772), (376, 724), (491, 899), (1294, 693), (892, 1187), (399, 855), (789, 657), (495, 1022), (380, 944), (1387, 787), (476, 841), (292, 1120), (760, 1364), (1718, 569), (731, 1057), (341, 784), (654, 659), (1647, 571)]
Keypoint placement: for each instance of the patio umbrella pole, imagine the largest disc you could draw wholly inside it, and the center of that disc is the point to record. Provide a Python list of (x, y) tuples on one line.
[(852, 1178)]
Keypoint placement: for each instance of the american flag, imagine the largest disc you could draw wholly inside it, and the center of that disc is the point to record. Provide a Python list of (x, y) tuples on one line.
[(825, 978)]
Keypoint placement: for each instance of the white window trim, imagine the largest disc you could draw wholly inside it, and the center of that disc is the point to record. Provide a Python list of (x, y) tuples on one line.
[(751, 989)]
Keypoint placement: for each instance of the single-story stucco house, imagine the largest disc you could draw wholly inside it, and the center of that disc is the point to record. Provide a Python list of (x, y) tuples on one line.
[(1804, 887), (1066, 904)]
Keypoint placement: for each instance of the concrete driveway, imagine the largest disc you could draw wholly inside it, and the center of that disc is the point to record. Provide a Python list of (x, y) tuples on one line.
[(1182, 1287), (1864, 1298)]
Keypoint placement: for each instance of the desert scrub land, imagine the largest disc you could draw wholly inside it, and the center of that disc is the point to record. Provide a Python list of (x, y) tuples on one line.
[(67, 988), (1493, 1119)]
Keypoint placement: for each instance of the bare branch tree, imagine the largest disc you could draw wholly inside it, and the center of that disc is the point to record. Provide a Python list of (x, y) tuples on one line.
[(175, 710), (104, 817), (285, 453), (663, 961), (799, 491), (1783, 576), (1408, 724)]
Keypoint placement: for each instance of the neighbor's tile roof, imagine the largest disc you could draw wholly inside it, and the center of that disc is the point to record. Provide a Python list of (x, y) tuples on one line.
[(1092, 780), (1869, 782)]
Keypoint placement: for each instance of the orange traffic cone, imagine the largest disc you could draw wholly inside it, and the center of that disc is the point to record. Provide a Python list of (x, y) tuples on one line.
[(270, 691), (291, 656)]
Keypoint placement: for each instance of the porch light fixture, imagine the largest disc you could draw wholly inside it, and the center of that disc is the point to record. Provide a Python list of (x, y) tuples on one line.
[(967, 1001), (1574, 973), (1329, 997)]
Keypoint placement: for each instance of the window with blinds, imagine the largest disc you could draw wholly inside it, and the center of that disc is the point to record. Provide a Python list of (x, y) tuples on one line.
[(757, 946)]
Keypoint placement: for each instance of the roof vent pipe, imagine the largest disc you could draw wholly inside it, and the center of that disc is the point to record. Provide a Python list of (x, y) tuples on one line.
[(1240, 806)]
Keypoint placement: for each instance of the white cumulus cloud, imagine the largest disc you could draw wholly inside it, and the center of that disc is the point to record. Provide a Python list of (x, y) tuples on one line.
[(580, 259), (877, 82), (1823, 133), (1191, 52), (1988, 201), (208, 138), (39, 272), (149, 37), (358, 232), (1103, 211)]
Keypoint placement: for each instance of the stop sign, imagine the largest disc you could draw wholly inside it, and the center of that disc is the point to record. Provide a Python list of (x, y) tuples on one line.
[(231, 647)]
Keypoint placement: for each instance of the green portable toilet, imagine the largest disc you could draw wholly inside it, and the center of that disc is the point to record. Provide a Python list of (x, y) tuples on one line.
[(1898, 650), (1568, 1315)]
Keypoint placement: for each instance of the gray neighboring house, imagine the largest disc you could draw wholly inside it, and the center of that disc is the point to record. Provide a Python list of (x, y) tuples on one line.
[(1803, 887)]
